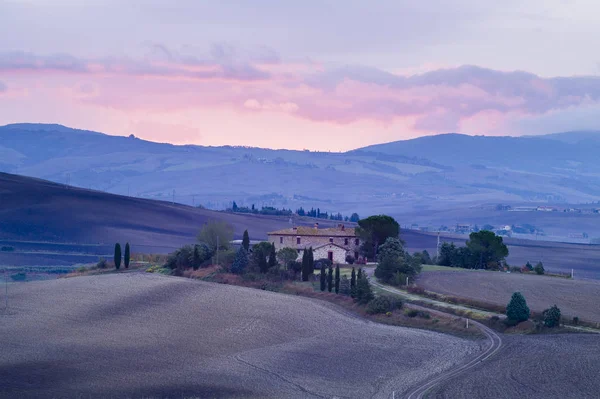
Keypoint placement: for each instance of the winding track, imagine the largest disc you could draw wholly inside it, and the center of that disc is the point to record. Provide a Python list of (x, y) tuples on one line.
[(495, 345)]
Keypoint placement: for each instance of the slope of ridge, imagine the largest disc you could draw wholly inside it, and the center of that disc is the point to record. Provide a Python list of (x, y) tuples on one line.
[(143, 335), (38, 210)]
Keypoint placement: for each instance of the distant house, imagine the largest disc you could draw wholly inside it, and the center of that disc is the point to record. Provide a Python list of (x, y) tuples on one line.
[(334, 243), (463, 228)]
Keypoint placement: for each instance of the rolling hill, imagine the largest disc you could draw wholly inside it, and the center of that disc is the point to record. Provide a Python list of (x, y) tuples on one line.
[(446, 175)]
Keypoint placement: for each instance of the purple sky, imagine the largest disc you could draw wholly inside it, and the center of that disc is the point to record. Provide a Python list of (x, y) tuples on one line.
[(327, 75)]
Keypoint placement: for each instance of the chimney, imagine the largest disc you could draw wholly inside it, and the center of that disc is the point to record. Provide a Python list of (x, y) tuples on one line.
[(317, 225), (295, 228), (343, 227)]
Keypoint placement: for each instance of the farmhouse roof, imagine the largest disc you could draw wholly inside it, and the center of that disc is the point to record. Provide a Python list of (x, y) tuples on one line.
[(315, 231), (328, 244)]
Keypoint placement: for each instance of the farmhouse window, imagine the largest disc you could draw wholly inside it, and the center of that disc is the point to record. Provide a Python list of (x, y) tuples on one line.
[(345, 241), (298, 240), (281, 240), (330, 239), (356, 242)]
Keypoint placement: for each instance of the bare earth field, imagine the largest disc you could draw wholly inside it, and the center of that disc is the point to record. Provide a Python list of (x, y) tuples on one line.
[(142, 335), (533, 366), (573, 297)]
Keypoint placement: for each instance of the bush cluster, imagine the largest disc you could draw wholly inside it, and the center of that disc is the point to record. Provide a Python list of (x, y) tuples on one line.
[(383, 304)]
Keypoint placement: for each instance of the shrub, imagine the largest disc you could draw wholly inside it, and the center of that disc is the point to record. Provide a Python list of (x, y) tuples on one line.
[(413, 289), (417, 313), (515, 269), (240, 263), (517, 308), (7, 249), (552, 317), (363, 290), (295, 266), (539, 268), (345, 286), (350, 259), (323, 262), (529, 266), (575, 320), (383, 304), (102, 264)]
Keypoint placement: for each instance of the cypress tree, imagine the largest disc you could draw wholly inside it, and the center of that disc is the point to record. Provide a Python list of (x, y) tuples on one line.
[(363, 290), (304, 270), (272, 256), (240, 262), (337, 279), (330, 279), (311, 261), (196, 261), (246, 241), (323, 278), (117, 256), (127, 258), (353, 283), (359, 274)]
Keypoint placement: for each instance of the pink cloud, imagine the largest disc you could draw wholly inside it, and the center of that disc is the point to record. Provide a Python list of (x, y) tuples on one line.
[(260, 82)]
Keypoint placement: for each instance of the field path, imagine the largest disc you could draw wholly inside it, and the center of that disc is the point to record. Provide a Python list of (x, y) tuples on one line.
[(495, 344)]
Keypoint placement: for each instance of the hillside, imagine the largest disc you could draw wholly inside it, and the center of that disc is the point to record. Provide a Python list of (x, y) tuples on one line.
[(38, 210), (445, 175)]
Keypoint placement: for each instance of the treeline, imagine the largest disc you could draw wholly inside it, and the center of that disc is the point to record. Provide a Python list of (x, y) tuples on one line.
[(272, 211), (483, 250)]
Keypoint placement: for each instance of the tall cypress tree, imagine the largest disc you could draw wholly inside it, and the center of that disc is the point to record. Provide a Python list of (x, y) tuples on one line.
[(323, 278), (330, 279), (359, 274), (272, 256), (246, 241), (117, 256), (337, 279), (353, 283), (311, 261), (127, 258), (304, 269)]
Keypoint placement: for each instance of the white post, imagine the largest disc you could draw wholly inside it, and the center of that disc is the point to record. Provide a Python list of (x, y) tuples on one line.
[(467, 323), (6, 283), (217, 250), (407, 281), (571, 273)]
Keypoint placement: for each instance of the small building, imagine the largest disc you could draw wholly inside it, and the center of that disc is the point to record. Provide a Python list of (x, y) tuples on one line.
[(334, 243)]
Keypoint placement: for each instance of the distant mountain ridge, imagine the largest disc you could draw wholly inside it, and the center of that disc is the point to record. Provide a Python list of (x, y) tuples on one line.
[(432, 172)]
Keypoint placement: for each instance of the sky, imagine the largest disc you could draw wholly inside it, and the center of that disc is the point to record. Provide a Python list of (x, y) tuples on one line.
[(320, 75)]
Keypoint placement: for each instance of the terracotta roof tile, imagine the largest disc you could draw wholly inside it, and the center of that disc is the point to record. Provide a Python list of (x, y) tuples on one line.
[(311, 231)]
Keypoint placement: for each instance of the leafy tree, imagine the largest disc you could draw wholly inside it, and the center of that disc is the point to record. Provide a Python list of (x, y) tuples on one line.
[(216, 231), (539, 268), (392, 259), (552, 317), (353, 283), (287, 255), (447, 251), (240, 262), (374, 230), (272, 256), (260, 252), (246, 240), (337, 279), (117, 256), (127, 257), (529, 266), (488, 249), (323, 278), (363, 290), (517, 309), (329, 279)]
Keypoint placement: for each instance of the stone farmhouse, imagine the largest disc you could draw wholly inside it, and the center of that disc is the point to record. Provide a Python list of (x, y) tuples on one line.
[(334, 243)]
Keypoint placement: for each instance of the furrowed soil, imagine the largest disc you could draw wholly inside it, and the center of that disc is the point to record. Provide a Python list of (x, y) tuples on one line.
[(533, 366), (574, 297), (142, 335)]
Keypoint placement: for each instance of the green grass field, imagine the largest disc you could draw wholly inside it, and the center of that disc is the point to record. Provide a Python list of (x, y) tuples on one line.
[(436, 268)]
